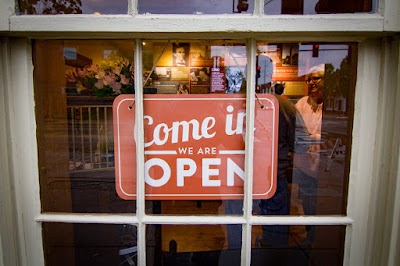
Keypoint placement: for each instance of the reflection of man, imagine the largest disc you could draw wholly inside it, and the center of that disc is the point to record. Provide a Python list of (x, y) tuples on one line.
[(310, 107), (277, 236), (179, 55), (308, 137)]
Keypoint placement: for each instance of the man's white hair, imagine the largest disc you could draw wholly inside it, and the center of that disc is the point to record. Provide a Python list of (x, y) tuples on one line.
[(318, 68)]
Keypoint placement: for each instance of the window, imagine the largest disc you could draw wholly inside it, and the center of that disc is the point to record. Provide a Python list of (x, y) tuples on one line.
[(299, 7), (53, 7), (77, 151), (74, 117), (196, 7)]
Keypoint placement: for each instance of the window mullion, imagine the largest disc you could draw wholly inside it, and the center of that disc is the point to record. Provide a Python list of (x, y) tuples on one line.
[(248, 184), (133, 7), (140, 190), (259, 7)]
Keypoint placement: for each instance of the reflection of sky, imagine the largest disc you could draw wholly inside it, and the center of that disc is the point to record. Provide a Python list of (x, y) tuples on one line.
[(105, 6), (233, 55), (271, 7), (190, 6), (328, 54)]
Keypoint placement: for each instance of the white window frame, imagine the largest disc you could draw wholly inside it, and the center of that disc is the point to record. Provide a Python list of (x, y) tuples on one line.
[(374, 181)]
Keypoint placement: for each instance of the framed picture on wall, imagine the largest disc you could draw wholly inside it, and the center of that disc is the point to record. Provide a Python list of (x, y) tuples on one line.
[(180, 54)]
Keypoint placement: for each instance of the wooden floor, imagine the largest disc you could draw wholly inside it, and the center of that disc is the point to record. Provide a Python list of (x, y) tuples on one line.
[(192, 238)]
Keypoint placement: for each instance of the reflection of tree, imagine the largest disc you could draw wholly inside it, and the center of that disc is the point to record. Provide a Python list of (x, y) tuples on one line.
[(344, 77), (331, 81), (337, 86), (48, 7), (337, 82)]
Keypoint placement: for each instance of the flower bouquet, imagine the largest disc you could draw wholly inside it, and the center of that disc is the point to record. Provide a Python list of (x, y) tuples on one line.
[(113, 76)]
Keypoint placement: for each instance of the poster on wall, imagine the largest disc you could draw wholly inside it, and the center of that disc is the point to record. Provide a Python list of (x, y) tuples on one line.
[(217, 79), (235, 77), (180, 54), (287, 73), (179, 73), (194, 146), (170, 80), (162, 73), (199, 80)]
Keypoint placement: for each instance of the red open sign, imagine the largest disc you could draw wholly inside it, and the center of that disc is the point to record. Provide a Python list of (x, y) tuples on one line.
[(194, 146)]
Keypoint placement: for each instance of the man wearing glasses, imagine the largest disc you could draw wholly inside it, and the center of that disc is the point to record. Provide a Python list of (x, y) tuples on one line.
[(310, 107), (306, 159)]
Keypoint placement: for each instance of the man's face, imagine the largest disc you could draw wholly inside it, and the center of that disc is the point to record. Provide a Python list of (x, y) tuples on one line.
[(315, 83), (180, 53)]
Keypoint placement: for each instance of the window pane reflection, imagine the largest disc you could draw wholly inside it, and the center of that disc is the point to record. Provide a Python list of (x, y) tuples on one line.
[(53, 7), (191, 70), (195, 245), (299, 7), (90, 244), (314, 84), (107, 244), (202, 67), (196, 7), (288, 245), (75, 85)]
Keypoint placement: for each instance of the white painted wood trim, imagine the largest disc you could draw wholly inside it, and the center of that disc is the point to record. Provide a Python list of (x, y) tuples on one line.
[(94, 218), (1, 254), (249, 154), (391, 11), (192, 219), (199, 23), (387, 155), (393, 208), (7, 9), (386, 19), (394, 256), (362, 163), (23, 159), (132, 7), (306, 220), (8, 229), (366, 192), (384, 131), (140, 184)]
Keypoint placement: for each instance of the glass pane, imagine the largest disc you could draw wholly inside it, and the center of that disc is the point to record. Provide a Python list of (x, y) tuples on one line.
[(299, 7), (187, 78), (54, 7), (75, 85), (194, 245), (195, 7), (91, 244), (314, 84), (288, 245), (106, 244)]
